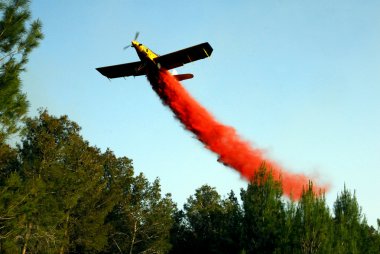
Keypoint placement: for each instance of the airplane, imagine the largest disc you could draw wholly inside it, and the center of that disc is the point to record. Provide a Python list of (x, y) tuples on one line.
[(150, 60)]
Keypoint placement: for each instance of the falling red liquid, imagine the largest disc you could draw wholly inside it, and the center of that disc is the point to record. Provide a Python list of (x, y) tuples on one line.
[(221, 139)]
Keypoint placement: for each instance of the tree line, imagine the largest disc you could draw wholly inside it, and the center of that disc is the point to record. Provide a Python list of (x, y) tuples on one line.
[(59, 194)]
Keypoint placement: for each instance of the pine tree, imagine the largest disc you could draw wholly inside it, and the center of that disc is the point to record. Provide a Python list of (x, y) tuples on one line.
[(8, 162), (369, 239), (11, 200), (18, 37), (264, 215), (347, 220), (312, 224)]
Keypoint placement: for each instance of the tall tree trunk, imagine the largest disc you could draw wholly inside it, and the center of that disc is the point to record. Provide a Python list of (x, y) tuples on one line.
[(62, 250), (27, 236), (133, 237)]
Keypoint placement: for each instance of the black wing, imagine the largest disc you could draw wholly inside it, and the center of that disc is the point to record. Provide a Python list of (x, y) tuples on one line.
[(123, 70), (184, 56)]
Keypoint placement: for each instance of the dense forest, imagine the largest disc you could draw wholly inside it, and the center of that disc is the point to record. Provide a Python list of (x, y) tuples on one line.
[(59, 194)]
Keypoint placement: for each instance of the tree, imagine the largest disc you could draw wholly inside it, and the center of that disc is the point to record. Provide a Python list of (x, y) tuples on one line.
[(34, 212), (11, 199), (49, 180), (311, 225), (18, 37), (349, 224), (8, 162), (67, 193), (142, 219), (264, 215), (61, 195), (352, 234), (369, 240), (180, 235), (208, 224), (204, 215), (232, 226)]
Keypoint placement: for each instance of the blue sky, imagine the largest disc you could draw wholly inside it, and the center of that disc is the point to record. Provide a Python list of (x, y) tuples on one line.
[(299, 79)]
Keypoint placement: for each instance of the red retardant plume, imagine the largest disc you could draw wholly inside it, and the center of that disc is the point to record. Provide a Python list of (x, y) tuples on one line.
[(221, 139)]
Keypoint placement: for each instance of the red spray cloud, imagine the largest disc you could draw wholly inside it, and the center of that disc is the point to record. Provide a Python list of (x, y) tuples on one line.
[(221, 139)]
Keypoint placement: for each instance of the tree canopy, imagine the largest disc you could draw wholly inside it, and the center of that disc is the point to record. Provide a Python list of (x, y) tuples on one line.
[(64, 195), (18, 37)]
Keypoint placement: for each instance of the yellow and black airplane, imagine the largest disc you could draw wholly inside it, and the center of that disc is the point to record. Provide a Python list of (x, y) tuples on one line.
[(149, 59)]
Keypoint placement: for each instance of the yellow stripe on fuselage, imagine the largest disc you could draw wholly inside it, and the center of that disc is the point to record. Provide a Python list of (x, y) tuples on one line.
[(144, 52)]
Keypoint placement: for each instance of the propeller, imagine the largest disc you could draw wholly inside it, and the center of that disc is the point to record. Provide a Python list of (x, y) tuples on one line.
[(136, 36)]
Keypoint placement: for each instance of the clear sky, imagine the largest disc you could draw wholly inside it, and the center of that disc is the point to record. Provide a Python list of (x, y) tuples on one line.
[(299, 79)]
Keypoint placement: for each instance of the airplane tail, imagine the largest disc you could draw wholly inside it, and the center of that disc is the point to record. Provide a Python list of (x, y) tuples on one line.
[(181, 77)]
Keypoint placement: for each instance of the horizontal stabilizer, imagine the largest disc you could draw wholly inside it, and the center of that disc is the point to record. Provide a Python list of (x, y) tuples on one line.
[(180, 77)]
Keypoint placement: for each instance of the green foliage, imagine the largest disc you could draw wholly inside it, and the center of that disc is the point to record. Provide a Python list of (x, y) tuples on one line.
[(63, 178), (18, 37), (265, 223), (8, 161), (232, 227), (209, 224), (142, 220), (369, 241), (60, 195), (204, 213), (264, 215), (312, 223), (347, 220)]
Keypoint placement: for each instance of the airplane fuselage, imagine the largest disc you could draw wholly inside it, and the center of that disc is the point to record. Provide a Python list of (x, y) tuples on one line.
[(144, 53)]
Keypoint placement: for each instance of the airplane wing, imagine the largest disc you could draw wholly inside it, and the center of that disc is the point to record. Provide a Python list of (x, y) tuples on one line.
[(184, 56), (122, 70)]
